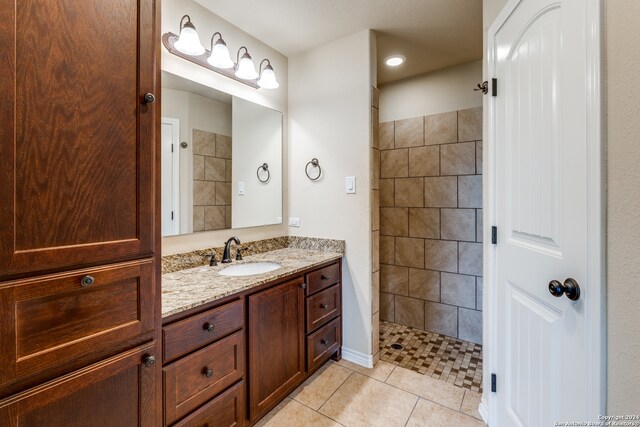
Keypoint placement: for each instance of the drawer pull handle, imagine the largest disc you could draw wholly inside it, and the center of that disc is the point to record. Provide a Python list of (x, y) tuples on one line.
[(209, 327), (208, 372), (87, 281), (323, 277), (324, 306), (324, 342), (149, 361)]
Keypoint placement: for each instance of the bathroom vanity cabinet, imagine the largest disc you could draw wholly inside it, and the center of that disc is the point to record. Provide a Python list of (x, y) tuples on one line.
[(79, 194), (228, 362)]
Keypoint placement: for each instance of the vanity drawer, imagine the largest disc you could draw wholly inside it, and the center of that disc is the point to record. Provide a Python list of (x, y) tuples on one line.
[(226, 410), (73, 317), (323, 343), (322, 307), (196, 378), (201, 329), (323, 278)]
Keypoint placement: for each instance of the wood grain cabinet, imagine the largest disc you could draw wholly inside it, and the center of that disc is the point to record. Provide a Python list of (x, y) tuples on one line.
[(276, 344), (79, 208)]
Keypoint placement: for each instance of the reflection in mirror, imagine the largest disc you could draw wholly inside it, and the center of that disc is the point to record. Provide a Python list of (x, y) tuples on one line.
[(200, 151)]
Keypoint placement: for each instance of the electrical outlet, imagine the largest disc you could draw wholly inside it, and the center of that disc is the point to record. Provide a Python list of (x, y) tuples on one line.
[(294, 222)]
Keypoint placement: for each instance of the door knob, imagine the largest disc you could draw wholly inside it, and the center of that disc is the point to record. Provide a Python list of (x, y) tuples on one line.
[(149, 98), (570, 288)]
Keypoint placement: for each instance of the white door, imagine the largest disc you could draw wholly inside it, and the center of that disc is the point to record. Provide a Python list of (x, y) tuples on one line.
[(170, 176), (543, 209)]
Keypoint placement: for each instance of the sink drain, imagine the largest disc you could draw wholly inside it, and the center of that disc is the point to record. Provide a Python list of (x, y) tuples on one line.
[(397, 346)]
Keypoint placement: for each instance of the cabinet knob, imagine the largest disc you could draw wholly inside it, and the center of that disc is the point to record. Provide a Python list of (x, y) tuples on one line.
[(208, 372), (323, 277), (149, 98), (209, 327), (149, 361), (87, 281), (303, 286), (325, 306), (324, 342)]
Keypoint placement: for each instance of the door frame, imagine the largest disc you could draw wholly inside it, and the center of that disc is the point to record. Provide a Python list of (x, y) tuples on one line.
[(175, 161), (595, 305)]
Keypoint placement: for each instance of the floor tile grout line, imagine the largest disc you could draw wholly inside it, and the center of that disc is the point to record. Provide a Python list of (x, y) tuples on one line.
[(412, 411), (334, 392)]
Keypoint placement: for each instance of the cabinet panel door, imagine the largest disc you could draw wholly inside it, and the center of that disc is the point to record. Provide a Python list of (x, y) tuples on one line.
[(276, 344), (77, 141), (49, 321), (120, 391)]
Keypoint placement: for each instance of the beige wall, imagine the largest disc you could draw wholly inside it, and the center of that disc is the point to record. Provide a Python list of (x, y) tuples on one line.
[(621, 66), (441, 91), (329, 119), (206, 24)]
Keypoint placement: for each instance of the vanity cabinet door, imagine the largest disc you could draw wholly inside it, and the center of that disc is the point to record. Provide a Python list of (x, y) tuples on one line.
[(120, 391), (276, 344), (78, 148)]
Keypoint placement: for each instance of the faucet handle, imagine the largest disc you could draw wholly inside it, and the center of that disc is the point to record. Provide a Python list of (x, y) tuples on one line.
[(213, 262), (239, 254)]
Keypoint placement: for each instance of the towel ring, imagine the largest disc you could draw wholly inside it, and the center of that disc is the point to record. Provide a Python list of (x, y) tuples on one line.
[(315, 163), (264, 167)]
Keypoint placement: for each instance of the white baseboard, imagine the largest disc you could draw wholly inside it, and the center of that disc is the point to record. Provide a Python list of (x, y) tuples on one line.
[(365, 360), (484, 411)]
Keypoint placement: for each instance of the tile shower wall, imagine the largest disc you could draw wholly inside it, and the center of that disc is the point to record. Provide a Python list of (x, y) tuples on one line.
[(375, 224), (431, 223), (211, 181)]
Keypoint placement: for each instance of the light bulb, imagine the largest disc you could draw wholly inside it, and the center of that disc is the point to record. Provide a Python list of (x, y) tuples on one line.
[(268, 78), (246, 69), (220, 57), (189, 41)]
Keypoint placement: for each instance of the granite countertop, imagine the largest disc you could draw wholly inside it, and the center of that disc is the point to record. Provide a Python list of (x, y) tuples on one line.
[(185, 289)]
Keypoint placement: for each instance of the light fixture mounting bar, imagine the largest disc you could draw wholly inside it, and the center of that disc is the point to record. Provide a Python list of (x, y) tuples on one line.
[(169, 39)]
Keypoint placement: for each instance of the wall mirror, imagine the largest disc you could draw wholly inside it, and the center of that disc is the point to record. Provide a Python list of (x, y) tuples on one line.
[(221, 160)]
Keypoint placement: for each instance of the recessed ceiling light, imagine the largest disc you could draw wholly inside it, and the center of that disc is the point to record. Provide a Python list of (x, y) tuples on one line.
[(395, 60)]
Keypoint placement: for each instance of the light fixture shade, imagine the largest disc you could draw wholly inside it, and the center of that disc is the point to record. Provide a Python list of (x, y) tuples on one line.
[(246, 68), (268, 79), (189, 41), (220, 57)]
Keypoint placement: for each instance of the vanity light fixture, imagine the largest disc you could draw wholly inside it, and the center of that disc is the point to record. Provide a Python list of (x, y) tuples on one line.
[(267, 78), (395, 60), (220, 53), (245, 69), (189, 41)]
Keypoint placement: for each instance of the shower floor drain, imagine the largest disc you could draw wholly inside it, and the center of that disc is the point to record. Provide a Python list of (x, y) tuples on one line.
[(397, 346)]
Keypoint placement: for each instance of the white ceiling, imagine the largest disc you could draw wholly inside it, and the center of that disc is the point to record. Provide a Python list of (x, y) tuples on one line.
[(432, 34)]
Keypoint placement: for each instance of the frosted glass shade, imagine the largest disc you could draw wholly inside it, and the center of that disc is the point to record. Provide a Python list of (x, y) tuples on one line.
[(220, 57), (246, 68), (189, 41), (268, 79)]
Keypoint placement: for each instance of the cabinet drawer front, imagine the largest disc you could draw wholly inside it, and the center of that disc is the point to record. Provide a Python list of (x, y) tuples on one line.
[(323, 278), (119, 392), (322, 307), (226, 410), (190, 334), (323, 343), (196, 378), (55, 319)]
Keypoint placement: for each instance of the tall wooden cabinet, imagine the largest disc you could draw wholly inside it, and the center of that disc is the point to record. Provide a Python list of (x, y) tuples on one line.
[(79, 212)]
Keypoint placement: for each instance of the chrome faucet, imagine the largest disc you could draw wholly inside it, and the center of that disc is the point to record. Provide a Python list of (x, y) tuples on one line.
[(226, 255)]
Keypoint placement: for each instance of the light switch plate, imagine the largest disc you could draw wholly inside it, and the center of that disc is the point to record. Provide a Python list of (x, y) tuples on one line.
[(294, 222), (241, 188), (350, 185)]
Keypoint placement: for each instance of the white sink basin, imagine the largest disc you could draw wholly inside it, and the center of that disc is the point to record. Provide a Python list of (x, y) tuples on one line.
[(249, 269)]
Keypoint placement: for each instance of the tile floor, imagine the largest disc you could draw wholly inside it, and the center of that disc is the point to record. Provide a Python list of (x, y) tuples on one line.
[(345, 394), (449, 359)]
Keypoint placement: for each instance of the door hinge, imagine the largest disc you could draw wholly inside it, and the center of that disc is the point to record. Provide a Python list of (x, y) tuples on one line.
[(494, 87), (494, 235), (172, 215), (493, 383), (172, 148)]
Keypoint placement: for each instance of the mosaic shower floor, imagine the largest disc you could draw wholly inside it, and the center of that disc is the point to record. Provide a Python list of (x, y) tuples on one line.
[(449, 359)]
